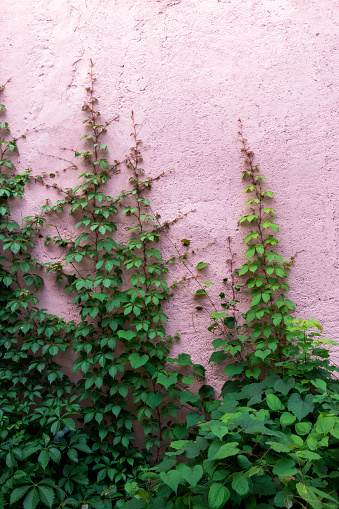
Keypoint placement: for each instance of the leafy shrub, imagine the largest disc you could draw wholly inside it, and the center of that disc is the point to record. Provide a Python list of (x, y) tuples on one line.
[(269, 444)]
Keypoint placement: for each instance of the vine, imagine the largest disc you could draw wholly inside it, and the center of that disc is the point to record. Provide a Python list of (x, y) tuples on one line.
[(87, 431)]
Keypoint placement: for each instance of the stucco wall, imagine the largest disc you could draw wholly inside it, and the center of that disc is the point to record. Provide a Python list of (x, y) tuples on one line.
[(189, 69)]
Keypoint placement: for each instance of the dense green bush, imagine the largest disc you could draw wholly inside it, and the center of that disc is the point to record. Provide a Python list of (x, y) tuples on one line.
[(269, 444)]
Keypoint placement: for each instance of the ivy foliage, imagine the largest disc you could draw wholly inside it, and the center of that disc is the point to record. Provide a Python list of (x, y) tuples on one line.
[(64, 442), (272, 438), (266, 338)]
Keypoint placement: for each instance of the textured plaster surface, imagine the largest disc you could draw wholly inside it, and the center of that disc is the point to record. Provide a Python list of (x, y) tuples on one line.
[(189, 69)]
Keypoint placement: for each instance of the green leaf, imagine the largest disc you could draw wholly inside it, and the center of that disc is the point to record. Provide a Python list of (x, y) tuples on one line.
[(193, 418), (284, 387), (219, 430), (218, 357), (55, 454), (325, 424), (226, 450), (310, 455), (188, 380), (256, 299), (286, 419), (69, 423), (218, 496), (303, 428), (180, 431), (46, 495), (240, 484), (217, 316), (278, 447), (284, 467), (179, 444), (171, 478), (154, 399), (127, 334), (201, 265), (32, 499), (167, 381), (253, 373), (300, 408), (284, 499), (274, 403), (192, 475), (18, 493), (43, 458), (200, 292), (233, 369), (199, 370), (309, 494), (137, 361)]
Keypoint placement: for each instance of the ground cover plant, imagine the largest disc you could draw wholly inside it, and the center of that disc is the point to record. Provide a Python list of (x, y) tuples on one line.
[(270, 440)]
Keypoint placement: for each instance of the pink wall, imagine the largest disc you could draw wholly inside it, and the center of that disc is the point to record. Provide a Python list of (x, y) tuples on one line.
[(189, 69)]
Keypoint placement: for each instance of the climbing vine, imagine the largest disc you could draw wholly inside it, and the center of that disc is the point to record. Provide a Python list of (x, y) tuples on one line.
[(120, 348)]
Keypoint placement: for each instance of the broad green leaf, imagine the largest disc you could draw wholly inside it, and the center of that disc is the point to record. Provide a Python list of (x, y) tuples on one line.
[(218, 496), (226, 450), (127, 334), (192, 475), (284, 387), (274, 403), (309, 494), (218, 356), (219, 430), (179, 444), (171, 478), (254, 373), (154, 399), (43, 458), (200, 292), (193, 418), (32, 499), (199, 370), (310, 455), (256, 299), (167, 381), (325, 424), (46, 495), (137, 360), (69, 423), (240, 484), (233, 369), (180, 431), (300, 408), (188, 380), (217, 316), (55, 454), (278, 447), (286, 419), (18, 493), (184, 359), (303, 428), (284, 467)]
